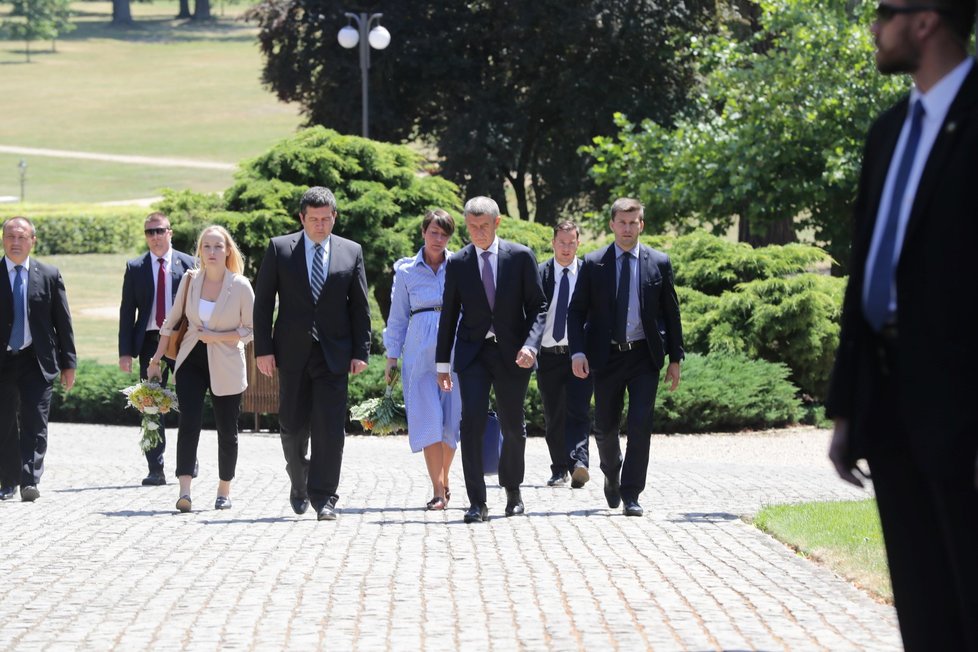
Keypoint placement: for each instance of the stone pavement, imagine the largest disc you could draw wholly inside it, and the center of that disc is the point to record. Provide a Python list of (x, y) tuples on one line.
[(99, 562)]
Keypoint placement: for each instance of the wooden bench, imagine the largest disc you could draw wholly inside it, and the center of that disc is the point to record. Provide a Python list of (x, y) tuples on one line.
[(261, 396)]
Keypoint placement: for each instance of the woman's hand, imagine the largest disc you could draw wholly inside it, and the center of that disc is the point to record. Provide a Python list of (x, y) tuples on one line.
[(154, 370), (391, 364)]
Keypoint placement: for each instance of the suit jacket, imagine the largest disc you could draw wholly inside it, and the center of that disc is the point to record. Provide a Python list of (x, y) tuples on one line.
[(342, 314), (232, 312), (936, 311), (547, 279), (139, 295), (591, 313), (520, 310), (47, 316)]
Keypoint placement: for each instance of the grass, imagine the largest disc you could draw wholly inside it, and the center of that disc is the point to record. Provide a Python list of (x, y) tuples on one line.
[(845, 536), (162, 88)]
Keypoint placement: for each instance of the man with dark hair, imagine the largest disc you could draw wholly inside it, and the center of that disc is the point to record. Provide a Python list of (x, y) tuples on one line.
[(623, 322), (36, 346), (148, 288), (904, 382), (321, 335), (566, 398), (495, 337)]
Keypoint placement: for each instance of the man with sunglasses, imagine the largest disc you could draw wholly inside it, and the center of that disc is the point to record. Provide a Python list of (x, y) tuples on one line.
[(904, 383), (148, 288)]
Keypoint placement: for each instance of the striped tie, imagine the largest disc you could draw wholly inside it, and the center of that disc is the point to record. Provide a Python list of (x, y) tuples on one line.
[(316, 282)]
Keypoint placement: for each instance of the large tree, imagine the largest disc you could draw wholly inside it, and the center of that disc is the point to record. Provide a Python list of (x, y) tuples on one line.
[(506, 90), (774, 136)]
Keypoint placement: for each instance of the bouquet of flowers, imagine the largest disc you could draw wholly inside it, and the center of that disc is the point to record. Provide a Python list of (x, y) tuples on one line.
[(151, 400), (383, 415)]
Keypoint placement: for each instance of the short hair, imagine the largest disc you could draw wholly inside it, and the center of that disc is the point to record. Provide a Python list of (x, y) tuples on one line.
[(627, 205), (154, 216), (235, 261), (481, 206), (19, 217), (441, 219), (317, 197), (958, 15), (567, 225)]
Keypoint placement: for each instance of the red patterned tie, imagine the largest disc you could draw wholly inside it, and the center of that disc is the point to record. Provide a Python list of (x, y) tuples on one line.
[(160, 294)]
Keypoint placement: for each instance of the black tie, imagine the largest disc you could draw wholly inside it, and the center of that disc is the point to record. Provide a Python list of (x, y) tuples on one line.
[(621, 301), (560, 315)]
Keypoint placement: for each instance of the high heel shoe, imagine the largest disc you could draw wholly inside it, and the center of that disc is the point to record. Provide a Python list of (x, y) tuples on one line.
[(436, 504)]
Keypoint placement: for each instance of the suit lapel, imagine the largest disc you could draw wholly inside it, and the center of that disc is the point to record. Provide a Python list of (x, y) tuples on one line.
[(222, 298), (644, 273), (884, 155), (549, 279), (611, 275), (6, 292), (299, 268)]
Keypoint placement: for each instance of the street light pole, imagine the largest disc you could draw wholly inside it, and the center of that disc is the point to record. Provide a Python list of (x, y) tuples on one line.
[(377, 38), (23, 177)]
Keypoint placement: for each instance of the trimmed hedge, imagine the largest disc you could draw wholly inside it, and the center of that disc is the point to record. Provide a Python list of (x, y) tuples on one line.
[(82, 228)]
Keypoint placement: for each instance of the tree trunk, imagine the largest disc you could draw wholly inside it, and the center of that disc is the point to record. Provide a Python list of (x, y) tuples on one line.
[(519, 189), (202, 9), (27, 49), (184, 11), (121, 13), (497, 193), (774, 233)]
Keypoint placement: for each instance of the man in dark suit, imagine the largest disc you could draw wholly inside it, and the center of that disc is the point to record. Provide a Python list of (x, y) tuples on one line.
[(904, 384), (321, 335), (566, 398), (495, 344), (36, 346), (623, 321), (148, 288)]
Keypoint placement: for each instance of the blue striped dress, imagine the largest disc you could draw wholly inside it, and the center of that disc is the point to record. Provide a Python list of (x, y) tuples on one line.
[(433, 415)]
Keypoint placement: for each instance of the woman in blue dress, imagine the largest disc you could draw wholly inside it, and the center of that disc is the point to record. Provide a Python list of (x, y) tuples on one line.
[(433, 416)]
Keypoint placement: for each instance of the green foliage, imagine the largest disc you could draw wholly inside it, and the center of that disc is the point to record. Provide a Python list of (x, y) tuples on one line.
[(775, 132), (727, 392), (96, 397), (35, 20), (82, 228)]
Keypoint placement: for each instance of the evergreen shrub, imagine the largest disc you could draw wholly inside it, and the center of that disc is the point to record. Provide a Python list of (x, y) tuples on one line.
[(82, 228)]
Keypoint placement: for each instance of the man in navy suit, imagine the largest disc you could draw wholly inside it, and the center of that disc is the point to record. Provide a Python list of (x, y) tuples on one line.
[(36, 346), (321, 336), (148, 288), (623, 322), (904, 383), (566, 398), (495, 337)]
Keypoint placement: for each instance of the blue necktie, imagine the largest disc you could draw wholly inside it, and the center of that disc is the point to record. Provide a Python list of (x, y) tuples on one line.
[(876, 307), (560, 316), (621, 301), (16, 342), (316, 282)]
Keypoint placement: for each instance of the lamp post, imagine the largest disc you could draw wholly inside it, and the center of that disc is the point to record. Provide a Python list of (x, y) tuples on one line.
[(23, 177), (377, 38)]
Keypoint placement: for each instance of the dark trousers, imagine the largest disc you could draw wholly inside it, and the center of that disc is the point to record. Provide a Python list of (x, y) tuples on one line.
[(25, 398), (154, 456), (566, 408), (490, 371), (632, 371), (193, 382), (312, 415)]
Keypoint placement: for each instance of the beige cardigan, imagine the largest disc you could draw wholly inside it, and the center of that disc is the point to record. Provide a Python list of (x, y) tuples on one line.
[(232, 312)]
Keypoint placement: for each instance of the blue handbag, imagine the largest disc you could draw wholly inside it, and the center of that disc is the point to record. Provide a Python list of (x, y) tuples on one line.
[(492, 445)]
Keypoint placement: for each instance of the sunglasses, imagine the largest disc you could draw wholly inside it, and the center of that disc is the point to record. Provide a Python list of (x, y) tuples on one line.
[(160, 230), (885, 12)]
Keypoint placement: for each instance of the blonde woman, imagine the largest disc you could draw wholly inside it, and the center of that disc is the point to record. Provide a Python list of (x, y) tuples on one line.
[(219, 303)]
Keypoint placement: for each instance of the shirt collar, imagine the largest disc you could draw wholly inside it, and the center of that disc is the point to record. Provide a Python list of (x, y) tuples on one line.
[(493, 248), (619, 251), (938, 99), (11, 264), (572, 268), (168, 257), (311, 245), (419, 259)]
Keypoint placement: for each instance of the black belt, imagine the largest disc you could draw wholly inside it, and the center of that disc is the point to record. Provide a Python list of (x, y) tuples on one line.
[(428, 309), (627, 346), (24, 351), (555, 350)]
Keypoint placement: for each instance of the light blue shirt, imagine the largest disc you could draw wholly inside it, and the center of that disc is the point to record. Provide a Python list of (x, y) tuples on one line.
[(12, 275), (416, 286), (310, 254), (633, 328), (936, 103)]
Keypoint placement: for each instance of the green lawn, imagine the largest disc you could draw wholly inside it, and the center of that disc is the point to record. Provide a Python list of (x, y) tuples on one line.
[(163, 88), (845, 536)]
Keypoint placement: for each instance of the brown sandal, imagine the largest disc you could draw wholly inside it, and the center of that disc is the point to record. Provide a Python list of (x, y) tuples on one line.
[(436, 504)]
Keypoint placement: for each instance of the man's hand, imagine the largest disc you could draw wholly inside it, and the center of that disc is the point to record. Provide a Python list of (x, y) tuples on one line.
[(672, 375), (125, 363), (580, 366), (841, 454), (525, 358), (391, 364), (356, 366), (445, 381), (266, 364), (67, 379)]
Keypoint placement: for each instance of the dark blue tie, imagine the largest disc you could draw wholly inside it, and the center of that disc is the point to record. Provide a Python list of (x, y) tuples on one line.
[(876, 307), (621, 301), (560, 315), (17, 332)]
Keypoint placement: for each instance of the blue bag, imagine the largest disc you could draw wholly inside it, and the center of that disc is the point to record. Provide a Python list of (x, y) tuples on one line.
[(492, 445)]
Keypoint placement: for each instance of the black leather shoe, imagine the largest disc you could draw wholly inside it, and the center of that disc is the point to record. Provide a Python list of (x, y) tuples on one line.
[(557, 479), (154, 479), (29, 493), (328, 511), (612, 492), (6, 493), (477, 514), (299, 505), (514, 502), (632, 508), (580, 476), (222, 502)]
